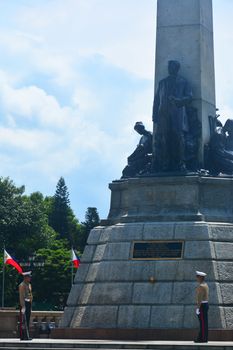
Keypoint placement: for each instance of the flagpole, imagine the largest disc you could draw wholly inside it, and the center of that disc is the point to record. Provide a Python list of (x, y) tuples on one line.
[(72, 274), (72, 268), (3, 278)]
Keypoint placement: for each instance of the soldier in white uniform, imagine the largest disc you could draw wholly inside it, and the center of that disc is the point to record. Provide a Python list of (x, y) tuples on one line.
[(202, 300), (25, 300)]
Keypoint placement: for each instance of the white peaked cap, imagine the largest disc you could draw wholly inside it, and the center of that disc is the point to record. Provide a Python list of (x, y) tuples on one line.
[(202, 274), (28, 273)]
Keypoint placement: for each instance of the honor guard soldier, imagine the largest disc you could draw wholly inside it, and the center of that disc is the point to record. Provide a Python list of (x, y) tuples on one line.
[(25, 300), (202, 297)]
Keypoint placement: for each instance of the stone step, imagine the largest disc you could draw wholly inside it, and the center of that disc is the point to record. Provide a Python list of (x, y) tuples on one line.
[(55, 344), (34, 348), (155, 348)]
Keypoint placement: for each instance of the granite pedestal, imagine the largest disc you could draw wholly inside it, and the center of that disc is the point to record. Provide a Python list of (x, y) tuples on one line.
[(113, 292)]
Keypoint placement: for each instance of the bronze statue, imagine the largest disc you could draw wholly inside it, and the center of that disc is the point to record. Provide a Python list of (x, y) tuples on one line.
[(139, 162), (170, 119), (220, 148), (192, 140)]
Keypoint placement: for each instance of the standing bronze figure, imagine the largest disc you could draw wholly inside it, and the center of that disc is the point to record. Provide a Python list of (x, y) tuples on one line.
[(170, 119)]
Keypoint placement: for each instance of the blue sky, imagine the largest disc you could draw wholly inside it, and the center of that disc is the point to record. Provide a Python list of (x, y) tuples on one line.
[(74, 77)]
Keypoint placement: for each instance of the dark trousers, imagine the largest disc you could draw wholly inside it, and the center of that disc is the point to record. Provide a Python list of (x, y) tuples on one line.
[(203, 319), (25, 321), (169, 150)]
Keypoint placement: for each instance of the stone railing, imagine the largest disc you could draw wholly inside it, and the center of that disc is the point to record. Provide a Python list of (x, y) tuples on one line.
[(41, 323)]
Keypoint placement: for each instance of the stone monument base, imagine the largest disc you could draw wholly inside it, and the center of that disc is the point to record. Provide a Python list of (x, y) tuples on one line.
[(139, 334), (117, 294)]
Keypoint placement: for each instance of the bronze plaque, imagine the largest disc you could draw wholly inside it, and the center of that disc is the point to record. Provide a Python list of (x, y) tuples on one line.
[(158, 250)]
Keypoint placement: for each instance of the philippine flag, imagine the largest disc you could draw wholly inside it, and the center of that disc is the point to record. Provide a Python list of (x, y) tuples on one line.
[(75, 259), (8, 260)]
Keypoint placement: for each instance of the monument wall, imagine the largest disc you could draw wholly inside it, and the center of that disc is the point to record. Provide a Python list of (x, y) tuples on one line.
[(113, 290)]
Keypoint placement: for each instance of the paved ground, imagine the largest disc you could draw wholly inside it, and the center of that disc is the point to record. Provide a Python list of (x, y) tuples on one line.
[(104, 344)]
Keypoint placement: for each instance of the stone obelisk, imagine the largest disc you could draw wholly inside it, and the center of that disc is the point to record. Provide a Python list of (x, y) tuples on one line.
[(137, 273), (185, 34)]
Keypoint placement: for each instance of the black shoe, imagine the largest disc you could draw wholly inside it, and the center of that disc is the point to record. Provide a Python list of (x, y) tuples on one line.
[(197, 341)]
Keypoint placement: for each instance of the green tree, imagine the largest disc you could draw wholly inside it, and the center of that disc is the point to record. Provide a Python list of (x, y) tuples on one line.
[(52, 282), (23, 230), (44, 228), (58, 217), (23, 223), (61, 216), (92, 220), (11, 209), (74, 230), (12, 280)]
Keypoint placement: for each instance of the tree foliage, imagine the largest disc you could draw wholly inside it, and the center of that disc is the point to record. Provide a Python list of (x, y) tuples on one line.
[(60, 205), (41, 229), (52, 282), (23, 222), (92, 220), (61, 216)]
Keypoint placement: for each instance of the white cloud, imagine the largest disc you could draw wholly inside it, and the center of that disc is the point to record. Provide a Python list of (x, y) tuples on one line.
[(54, 138), (85, 100), (32, 141), (33, 103), (47, 43), (57, 33)]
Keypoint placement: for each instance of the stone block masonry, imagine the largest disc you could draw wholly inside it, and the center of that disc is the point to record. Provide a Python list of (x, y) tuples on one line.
[(117, 292)]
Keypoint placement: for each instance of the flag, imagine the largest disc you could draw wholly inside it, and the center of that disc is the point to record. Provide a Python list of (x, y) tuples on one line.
[(8, 260), (75, 259)]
